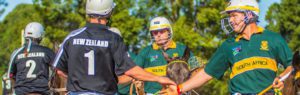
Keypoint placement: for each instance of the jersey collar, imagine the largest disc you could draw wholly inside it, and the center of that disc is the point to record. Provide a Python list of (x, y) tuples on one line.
[(94, 25), (171, 45), (259, 31)]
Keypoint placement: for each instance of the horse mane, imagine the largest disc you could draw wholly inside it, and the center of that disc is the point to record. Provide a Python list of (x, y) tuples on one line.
[(57, 84), (292, 83), (289, 86)]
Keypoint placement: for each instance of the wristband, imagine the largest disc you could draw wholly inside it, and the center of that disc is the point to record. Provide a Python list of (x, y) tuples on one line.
[(179, 89)]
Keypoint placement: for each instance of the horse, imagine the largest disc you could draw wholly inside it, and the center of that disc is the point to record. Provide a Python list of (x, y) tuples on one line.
[(138, 86), (180, 69), (292, 83), (57, 84)]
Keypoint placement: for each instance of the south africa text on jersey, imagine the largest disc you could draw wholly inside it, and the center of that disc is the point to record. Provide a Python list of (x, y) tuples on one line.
[(90, 42)]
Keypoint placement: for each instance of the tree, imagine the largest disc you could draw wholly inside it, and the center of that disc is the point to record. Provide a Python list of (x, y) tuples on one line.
[(60, 18), (285, 18), (11, 28), (3, 4), (196, 23), (129, 25)]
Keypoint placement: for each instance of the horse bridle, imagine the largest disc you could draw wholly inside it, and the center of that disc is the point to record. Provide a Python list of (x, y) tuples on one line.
[(52, 83), (138, 91)]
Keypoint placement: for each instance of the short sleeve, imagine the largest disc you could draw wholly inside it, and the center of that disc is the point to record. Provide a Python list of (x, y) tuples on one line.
[(218, 64)]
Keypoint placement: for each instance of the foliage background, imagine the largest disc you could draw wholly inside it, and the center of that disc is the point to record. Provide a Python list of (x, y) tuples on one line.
[(196, 23)]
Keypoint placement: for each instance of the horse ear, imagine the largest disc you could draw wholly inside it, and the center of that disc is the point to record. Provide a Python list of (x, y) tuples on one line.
[(186, 54), (296, 61)]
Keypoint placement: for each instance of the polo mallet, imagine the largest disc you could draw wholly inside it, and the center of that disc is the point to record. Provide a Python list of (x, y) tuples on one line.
[(280, 80)]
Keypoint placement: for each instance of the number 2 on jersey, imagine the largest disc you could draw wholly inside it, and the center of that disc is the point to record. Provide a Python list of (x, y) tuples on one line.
[(91, 62), (31, 64)]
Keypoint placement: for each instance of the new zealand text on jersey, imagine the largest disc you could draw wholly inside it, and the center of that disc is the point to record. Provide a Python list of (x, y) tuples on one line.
[(33, 54), (90, 42)]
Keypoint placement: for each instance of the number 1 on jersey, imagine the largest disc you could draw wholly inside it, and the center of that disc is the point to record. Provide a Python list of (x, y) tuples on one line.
[(91, 62)]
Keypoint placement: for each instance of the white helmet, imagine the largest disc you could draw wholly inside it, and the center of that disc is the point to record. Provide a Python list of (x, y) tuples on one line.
[(243, 5), (99, 7), (34, 30), (160, 23), (115, 30)]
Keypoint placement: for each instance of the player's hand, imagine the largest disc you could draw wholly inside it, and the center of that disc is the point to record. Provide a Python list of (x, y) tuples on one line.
[(169, 90), (278, 84), (165, 81), (138, 83)]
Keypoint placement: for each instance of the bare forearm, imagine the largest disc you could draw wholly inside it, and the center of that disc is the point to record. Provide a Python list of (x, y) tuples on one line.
[(124, 79), (287, 70), (140, 74), (196, 81)]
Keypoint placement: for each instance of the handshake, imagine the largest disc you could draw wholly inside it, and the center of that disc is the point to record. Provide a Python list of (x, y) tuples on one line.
[(169, 87)]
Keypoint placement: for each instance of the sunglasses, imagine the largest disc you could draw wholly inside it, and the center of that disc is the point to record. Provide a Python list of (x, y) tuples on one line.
[(161, 31)]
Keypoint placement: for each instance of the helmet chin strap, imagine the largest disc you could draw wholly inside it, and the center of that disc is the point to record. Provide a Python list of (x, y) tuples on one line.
[(165, 43), (246, 20), (168, 39), (249, 18), (242, 28)]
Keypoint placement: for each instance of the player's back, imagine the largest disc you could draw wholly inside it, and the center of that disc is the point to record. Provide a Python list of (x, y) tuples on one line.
[(89, 56), (90, 62), (31, 69)]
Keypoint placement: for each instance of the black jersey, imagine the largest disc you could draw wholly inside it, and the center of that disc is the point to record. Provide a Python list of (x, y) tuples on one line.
[(89, 55), (6, 85), (31, 70)]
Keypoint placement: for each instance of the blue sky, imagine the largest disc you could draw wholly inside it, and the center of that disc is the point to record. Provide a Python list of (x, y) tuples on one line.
[(12, 4), (264, 4)]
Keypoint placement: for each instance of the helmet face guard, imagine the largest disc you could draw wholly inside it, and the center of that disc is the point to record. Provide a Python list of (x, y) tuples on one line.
[(160, 30), (159, 24), (226, 25), (250, 8)]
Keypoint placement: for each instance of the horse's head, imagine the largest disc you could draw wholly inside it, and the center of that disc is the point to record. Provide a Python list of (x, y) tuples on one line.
[(296, 61), (292, 83), (296, 66), (179, 69)]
